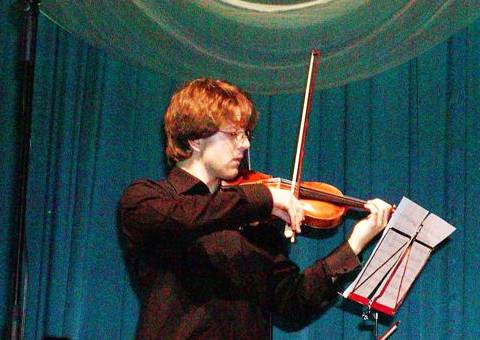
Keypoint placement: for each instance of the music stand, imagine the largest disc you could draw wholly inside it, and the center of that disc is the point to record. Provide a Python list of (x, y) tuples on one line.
[(398, 258)]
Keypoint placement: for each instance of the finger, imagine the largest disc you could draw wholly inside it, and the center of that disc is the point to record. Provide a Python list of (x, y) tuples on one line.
[(288, 232), (291, 215), (371, 206), (299, 222), (295, 210), (384, 210), (380, 216), (301, 217), (373, 212), (388, 213), (295, 217)]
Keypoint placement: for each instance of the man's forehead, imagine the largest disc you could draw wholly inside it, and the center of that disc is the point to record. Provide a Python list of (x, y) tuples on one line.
[(237, 119)]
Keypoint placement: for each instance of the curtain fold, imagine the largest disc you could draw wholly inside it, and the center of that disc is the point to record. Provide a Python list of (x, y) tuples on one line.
[(10, 163), (412, 131), (264, 51)]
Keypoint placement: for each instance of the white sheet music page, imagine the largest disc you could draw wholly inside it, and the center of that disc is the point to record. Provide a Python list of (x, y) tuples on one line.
[(402, 277), (407, 217), (398, 257), (434, 230), (379, 264)]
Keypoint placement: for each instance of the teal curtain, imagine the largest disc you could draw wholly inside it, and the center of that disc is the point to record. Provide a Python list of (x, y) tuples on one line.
[(9, 149), (262, 45), (412, 131)]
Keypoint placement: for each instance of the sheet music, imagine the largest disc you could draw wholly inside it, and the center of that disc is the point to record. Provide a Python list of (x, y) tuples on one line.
[(434, 230), (407, 217), (399, 256), (380, 265), (403, 277)]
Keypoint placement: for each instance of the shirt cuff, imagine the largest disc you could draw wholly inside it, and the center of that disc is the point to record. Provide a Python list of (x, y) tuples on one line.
[(260, 198), (341, 261)]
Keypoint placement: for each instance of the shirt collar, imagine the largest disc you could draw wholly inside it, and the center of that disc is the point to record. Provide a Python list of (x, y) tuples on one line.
[(183, 182)]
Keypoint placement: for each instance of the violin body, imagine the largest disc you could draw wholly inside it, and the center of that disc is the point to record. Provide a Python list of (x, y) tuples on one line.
[(322, 214), (324, 205)]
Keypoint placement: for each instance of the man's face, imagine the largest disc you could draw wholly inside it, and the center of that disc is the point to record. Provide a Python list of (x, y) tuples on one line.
[(222, 152)]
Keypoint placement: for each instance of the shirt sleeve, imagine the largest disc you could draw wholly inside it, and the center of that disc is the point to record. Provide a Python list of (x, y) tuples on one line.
[(147, 207), (300, 296)]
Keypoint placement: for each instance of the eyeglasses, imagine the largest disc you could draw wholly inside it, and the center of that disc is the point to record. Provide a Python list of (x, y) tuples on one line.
[(238, 136)]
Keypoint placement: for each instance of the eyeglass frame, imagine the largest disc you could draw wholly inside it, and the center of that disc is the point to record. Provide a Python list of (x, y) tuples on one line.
[(238, 136)]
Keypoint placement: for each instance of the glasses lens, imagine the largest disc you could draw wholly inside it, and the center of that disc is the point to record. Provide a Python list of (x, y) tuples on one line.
[(242, 135), (238, 136)]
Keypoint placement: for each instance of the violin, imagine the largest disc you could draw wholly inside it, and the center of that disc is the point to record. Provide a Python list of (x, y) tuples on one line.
[(324, 205)]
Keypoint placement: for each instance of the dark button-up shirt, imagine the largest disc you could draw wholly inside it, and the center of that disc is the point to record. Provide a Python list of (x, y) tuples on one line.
[(205, 273)]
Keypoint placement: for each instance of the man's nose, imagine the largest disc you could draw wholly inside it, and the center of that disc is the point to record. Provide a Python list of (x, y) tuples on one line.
[(245, 144)]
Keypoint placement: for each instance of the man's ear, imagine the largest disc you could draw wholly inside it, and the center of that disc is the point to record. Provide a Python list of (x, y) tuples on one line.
[(194, 144)]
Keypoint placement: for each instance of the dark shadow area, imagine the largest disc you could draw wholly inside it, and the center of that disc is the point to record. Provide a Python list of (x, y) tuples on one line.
[(15, 19), (288, 325), (357, 309), (122, 241), (318, 234)]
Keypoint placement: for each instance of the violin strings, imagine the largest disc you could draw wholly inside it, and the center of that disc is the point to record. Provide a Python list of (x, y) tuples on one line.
[(329, 197)]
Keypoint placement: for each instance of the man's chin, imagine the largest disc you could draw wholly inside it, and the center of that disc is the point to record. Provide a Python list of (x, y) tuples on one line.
[(232, 174)]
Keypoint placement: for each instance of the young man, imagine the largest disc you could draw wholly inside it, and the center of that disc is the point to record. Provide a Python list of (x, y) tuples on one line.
[(205, 270)]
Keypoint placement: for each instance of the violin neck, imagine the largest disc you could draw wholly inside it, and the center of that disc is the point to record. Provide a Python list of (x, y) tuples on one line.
[(346, 201)]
